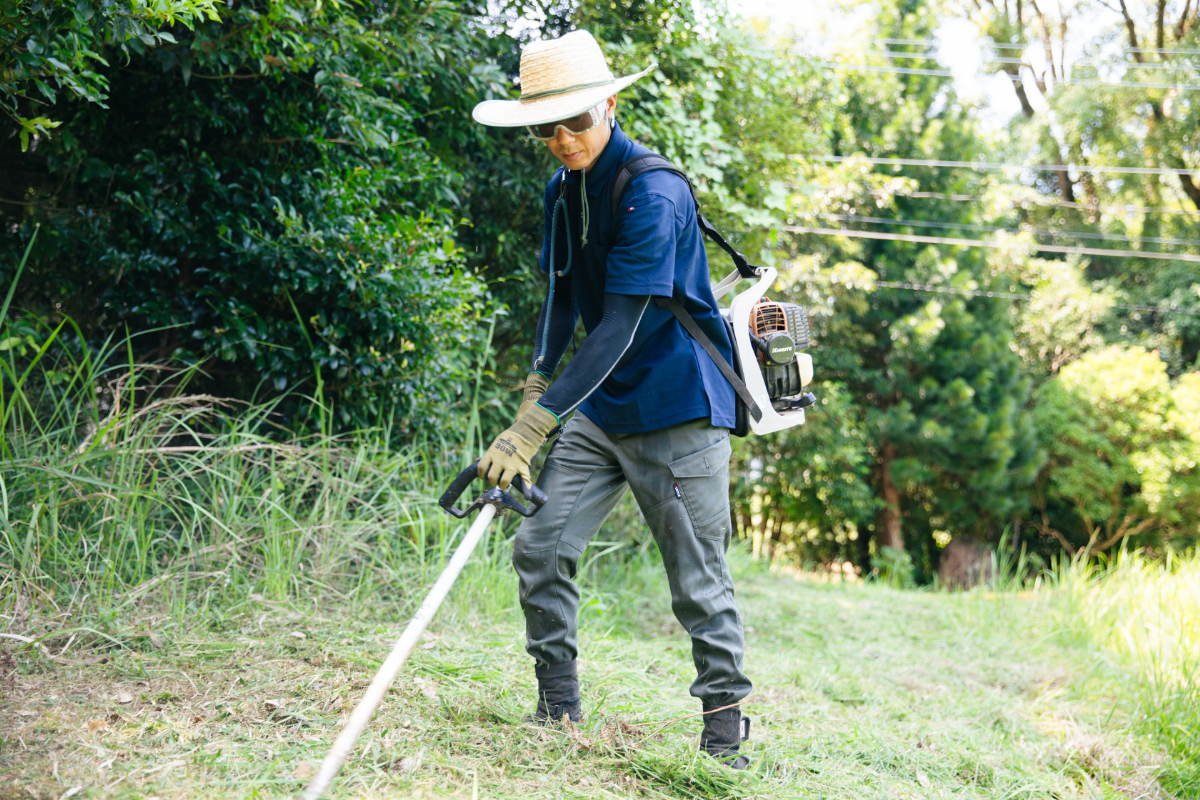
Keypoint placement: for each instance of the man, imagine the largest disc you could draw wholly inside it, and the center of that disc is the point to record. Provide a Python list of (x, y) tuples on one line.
[(653, 408)]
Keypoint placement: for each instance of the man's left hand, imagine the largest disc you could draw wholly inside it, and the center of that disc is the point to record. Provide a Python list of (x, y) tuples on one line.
[(512, 450)]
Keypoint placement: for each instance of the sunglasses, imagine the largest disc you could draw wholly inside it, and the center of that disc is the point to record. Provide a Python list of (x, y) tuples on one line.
[(576, 125)]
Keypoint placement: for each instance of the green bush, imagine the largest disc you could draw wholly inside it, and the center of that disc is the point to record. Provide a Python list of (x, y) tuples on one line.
[(262, 195), (51, 46), (893, 566), (1124, 453)]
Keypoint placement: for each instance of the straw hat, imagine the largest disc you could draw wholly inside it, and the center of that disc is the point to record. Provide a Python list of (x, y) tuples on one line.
[(559, 79)]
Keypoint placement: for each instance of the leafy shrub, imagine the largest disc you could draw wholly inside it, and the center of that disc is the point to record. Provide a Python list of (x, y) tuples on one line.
[(48, 46), (1124, 452), (893, 566), (263, 196)]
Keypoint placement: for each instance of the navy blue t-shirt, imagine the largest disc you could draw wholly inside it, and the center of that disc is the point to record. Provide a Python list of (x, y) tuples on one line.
[(652, 247)]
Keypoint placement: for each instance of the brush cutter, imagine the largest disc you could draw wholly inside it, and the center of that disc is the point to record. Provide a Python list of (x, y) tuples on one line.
[(489, 504)]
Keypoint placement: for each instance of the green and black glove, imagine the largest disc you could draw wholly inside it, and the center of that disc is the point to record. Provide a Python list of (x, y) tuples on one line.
[(512, 450), (536, 385)]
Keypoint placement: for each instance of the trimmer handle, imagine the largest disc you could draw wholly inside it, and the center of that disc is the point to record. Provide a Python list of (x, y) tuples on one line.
[(494, 496)]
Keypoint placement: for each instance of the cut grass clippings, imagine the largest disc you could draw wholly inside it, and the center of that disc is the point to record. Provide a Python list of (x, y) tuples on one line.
[(860, 692)]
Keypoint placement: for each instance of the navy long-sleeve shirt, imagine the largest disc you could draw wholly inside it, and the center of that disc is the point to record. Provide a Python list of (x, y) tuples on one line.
[(603, 351), (642, 371)]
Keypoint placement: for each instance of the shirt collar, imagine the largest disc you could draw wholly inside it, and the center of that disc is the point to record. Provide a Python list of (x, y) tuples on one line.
[(600, 172)]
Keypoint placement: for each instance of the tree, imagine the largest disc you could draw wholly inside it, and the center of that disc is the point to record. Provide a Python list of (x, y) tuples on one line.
[(800, 497), (48, 46), (264, 193), (1124, 458), (1126, 102), (934, 383)]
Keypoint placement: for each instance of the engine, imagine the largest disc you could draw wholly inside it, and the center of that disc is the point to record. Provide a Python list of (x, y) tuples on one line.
[(779, 331)]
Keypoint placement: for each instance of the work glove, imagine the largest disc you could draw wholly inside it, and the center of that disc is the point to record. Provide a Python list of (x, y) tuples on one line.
[(536, 385), (512, 450)]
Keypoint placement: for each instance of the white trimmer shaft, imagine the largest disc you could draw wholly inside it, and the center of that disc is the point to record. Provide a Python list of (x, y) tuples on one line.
[(391, 667)]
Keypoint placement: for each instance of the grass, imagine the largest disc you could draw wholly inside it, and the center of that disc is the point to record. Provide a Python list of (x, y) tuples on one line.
[(1142, 616), (861, 691), (191, 601)]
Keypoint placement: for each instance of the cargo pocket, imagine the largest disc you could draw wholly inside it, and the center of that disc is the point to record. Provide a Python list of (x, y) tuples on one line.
[(702, 479)]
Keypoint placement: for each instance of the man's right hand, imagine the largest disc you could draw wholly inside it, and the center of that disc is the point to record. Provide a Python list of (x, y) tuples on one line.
[(536, 385), (512, 450)]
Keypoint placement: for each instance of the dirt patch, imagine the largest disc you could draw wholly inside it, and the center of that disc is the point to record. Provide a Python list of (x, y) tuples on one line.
[(8, 674)]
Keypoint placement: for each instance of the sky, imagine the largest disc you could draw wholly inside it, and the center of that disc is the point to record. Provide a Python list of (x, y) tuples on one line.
[(832, 30)]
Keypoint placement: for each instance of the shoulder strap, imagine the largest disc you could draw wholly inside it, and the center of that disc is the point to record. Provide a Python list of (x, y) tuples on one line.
[(638, 165), (689, 324), (648, 162)]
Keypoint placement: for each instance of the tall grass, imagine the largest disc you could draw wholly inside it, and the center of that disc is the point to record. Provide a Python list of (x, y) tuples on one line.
[(1143, 615), (119, 487), (118, 484)]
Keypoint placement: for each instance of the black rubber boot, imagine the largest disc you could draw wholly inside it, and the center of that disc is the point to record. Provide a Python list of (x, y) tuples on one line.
[(558, 694), (724, 731)]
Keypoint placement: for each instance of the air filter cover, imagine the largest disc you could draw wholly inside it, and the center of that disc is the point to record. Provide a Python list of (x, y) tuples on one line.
[(767, 318)]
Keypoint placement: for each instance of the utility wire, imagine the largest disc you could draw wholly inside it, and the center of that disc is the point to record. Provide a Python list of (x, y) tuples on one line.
[(1004, 46), (1165, 51), (945, 73), (1135, 65), (1044, 248), (985, 165), (918, 287), (1000, 229), (934, 43), (924, 287), (973, 198), (927, 56), (931, 56)]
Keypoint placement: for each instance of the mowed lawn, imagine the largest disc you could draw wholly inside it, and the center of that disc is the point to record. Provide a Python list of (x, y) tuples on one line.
[(860, 692)]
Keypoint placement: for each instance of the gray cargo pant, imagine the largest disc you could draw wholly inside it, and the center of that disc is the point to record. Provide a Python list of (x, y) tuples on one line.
[(680, 479)]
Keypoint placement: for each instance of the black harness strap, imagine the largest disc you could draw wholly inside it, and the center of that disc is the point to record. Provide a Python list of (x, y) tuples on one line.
[(689, 324), (649, 162), (639, 165)]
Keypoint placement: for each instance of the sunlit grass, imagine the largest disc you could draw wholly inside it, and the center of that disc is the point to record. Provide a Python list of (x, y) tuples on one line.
[(1143, 615), (189, 554)]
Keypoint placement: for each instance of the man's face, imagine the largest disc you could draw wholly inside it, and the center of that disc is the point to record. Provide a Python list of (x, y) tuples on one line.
[(580, 152)]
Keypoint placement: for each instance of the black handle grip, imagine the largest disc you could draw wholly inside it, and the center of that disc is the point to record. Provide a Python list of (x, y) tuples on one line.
[(494, 496), (457, 487)]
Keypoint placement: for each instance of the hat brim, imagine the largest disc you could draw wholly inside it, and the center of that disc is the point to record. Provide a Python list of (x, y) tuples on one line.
[(515, 113)]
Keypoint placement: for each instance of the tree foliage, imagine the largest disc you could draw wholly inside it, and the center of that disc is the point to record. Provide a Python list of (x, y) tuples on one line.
[(294, 199), (928, 382), (1129, 101), (263, 193), (52, 46), (1124, 460)]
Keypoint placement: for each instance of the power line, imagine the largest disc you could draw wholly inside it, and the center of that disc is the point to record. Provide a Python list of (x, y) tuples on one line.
[(1004, 46), (931, 56), (1134, 65), (924, 287), (945, 73), (927, 56), (985, 165), (1044, 248), (934, 43), (973, 198), (1115, 237), (1163, 51), (919, 287)]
